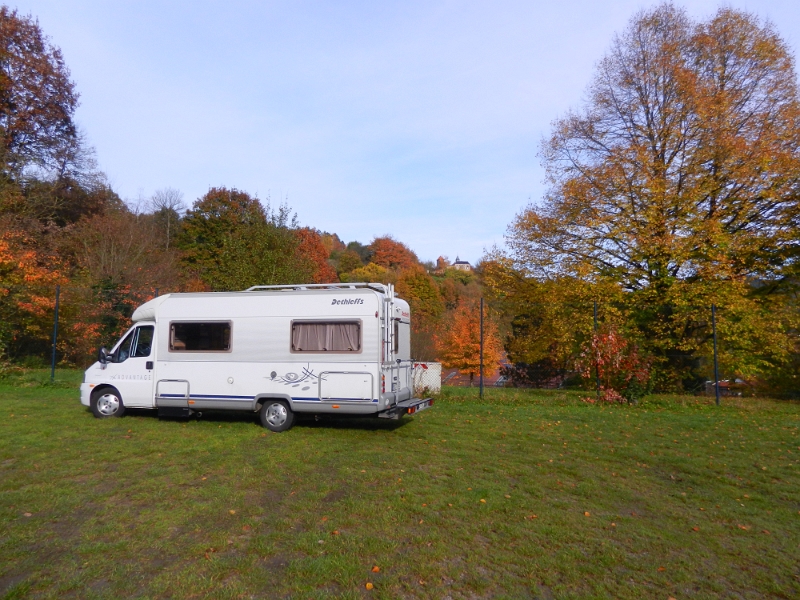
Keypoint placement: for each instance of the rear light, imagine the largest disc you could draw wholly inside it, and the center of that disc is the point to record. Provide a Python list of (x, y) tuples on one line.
[(383, 383)]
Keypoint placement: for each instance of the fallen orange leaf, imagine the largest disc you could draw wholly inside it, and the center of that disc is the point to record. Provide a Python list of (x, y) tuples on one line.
[(587, 514), (661, 569), (335, 532), (482, 500), (233, 512), (376, 569), (745, 527)]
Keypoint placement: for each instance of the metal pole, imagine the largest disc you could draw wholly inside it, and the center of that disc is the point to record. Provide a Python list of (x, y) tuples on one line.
[(596, 365), (481, 394), (716, 363), (156, 292), (55, 337)]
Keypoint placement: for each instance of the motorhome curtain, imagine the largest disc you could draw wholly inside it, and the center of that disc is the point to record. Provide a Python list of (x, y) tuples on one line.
[(326, 337)]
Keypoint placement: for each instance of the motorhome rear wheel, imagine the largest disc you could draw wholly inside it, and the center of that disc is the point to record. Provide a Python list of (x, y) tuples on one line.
[(276, 415)]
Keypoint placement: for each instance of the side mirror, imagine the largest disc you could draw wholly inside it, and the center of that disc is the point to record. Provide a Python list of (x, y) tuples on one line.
[(102, 355)]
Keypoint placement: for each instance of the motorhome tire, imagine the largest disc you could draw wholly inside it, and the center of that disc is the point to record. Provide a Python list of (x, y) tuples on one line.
[(276, 415), (107, 402)]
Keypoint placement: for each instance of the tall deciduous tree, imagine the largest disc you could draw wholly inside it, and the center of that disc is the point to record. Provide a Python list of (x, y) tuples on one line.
[(28, 276), (313, 251), (37, 98), (460, 341), (685, 163), (167, 206), (213, 220), (230, 241), (678, 180), (388, 252), (427, 308)]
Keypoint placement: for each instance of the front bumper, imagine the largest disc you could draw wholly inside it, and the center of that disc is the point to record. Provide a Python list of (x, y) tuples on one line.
[(86, 393)]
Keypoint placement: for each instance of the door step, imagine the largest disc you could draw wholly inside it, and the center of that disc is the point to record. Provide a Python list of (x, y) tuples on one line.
[(175, 412)]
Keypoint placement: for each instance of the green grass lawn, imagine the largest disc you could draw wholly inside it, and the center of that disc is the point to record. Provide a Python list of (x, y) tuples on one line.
[(526, 494)]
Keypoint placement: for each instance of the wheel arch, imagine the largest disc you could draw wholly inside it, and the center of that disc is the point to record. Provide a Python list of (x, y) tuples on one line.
[(262, 398), (99, 389)]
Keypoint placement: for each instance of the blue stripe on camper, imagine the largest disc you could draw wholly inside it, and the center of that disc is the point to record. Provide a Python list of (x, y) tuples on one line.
[(221, 397), (331, 400), (206, 397)]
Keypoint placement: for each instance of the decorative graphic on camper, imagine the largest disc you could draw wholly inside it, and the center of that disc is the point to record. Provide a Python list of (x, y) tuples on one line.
[(294, 380)]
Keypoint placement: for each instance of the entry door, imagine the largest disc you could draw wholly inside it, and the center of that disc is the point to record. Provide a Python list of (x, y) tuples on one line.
[(131, 367)]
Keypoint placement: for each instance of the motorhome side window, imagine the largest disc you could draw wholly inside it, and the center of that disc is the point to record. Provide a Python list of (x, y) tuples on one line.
[(137, 344), (208, 336), (326, 336)]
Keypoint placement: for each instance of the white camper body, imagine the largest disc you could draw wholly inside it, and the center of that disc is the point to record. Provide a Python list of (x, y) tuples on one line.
[(277, 350)]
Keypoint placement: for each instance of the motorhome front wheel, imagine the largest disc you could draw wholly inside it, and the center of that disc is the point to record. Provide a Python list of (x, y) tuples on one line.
[(107, 403), (276, 415)]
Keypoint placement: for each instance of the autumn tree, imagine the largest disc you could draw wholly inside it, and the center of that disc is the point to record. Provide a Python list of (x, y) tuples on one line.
[(313, 251), (391, 254), (28, 276), (427, 308), (364, 252), (370, 273), (37, 98), (677, 181), (231, 241), (459, 342)]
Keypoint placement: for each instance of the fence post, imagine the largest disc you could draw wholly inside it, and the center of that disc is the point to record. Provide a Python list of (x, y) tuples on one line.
[(716, 363), (596, 365), (55, 337), (481, 393)]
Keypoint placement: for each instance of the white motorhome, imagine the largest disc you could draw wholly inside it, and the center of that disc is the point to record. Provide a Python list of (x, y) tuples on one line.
[(274, 350)]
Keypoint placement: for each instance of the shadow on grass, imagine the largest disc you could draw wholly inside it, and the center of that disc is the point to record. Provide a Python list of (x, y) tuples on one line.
[(308, 421)]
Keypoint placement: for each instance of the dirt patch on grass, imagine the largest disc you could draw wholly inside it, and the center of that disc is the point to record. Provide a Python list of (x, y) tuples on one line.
[(336, 495), (12, 584)]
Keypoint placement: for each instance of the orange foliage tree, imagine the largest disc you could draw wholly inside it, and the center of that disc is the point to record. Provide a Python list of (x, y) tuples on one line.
[(313, 250), (28, 277), (391, 254), (459, 342)]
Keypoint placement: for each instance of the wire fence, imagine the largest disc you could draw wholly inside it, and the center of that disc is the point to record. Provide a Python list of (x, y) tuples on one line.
[(553, 345)]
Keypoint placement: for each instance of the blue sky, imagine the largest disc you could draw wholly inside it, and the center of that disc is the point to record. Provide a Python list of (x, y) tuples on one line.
[(417, 119)]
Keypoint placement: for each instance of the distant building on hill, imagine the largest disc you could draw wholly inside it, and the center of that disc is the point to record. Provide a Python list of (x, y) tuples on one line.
[(443, 263), (461, 265)]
